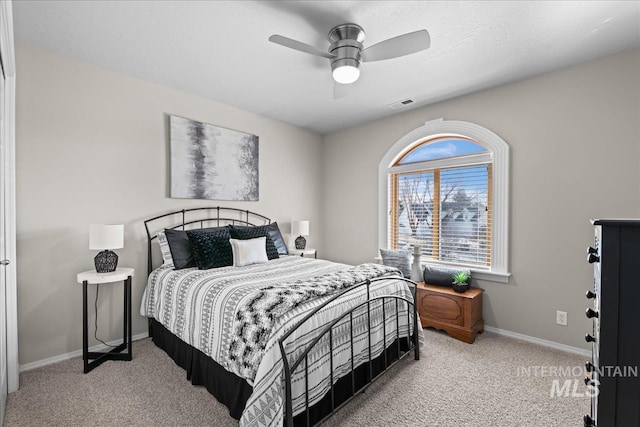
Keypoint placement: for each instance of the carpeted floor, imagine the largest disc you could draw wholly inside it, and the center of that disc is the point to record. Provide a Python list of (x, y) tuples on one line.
[(454, 384)]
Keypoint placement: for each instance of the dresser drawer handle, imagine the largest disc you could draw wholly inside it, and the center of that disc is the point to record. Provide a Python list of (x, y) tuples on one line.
[(591, 313), (588, 421)]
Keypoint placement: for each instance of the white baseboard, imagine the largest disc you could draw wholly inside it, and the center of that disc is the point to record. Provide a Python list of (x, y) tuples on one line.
[(66, 356), (527, 338), (539, 341)]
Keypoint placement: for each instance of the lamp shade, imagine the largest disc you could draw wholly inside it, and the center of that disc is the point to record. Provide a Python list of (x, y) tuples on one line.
[(300, 228), (103, 236)]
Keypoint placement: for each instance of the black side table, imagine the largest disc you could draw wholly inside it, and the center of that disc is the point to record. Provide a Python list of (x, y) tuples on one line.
[(94, 358)]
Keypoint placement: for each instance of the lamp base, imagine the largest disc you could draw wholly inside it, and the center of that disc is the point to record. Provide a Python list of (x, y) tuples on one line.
[(301, 242), (106, 262)]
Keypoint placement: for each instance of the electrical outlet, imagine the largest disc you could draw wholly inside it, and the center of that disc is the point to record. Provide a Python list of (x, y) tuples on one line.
[(561, 318)]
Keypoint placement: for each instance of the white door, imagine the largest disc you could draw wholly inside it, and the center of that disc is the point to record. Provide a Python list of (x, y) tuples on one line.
[(3, 280), (8, 300)]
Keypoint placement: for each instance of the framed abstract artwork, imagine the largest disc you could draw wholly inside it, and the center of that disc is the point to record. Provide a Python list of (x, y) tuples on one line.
[(212, 162)]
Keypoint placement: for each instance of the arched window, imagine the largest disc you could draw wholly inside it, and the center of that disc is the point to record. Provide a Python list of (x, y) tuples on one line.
[(444, 187)]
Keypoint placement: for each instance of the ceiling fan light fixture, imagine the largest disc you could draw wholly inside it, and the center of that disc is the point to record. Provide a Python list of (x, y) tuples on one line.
[(347, 52), (345, 70), (346, 74)]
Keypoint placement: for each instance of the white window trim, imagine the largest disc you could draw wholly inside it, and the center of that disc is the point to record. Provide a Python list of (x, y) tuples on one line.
[(499, 270), (470, 160)]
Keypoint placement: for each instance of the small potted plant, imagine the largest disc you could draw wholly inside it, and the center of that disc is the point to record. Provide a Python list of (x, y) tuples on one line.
[(460, 281)]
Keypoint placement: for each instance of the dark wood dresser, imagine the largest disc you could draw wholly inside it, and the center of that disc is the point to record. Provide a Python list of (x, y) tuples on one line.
[(613, 380), (457, 313)]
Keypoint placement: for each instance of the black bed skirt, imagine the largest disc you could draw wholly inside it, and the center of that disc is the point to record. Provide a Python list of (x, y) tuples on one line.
[(228, 388), (234, 391)]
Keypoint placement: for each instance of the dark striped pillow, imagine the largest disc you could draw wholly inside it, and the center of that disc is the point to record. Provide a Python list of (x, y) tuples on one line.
[(398, 259)]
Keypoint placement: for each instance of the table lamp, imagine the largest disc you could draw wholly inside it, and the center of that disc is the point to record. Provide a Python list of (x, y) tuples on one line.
[(103, 237), (301, 228)]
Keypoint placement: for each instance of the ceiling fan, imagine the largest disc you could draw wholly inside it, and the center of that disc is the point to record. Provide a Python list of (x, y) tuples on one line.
[(347, 52)]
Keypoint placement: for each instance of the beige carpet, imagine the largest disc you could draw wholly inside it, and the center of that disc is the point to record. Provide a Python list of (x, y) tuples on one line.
[(454, 384)]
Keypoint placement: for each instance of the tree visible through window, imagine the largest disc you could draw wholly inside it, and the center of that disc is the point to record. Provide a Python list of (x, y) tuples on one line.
[(440, 199)]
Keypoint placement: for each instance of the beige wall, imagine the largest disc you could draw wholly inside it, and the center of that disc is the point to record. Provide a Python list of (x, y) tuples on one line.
[(92, 148), (575, 155)]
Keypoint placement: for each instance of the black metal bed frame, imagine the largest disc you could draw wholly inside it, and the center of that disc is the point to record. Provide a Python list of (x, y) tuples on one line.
[(246, 217), (328, 329), (249, 218)]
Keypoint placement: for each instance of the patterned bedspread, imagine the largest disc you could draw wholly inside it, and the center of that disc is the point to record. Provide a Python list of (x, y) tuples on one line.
[(205, 308)]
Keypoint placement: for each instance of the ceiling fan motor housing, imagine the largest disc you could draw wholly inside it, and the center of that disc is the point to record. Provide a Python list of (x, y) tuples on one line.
[(346, 45)]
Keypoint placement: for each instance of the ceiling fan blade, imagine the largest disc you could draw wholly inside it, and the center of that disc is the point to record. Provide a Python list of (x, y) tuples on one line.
[(397, 46), (302, 47), (340, 90)]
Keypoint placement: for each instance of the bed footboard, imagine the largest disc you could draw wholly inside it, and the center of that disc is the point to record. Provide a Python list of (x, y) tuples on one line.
[(290, 367)]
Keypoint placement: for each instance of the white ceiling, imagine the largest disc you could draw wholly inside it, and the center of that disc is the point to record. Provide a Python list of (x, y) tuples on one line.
[(219, 49)]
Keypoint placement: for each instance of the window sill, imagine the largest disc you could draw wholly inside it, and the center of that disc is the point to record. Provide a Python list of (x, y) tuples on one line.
[(490, 276)]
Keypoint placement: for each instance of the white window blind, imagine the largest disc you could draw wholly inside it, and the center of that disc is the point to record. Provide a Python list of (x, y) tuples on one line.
[(446, 211)]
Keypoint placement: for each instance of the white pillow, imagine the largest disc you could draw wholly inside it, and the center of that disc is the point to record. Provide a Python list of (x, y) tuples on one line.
[(164, 249), (250, 251)]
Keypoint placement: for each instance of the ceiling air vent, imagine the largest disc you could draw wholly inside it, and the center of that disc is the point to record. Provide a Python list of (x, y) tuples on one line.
[(401, 104)]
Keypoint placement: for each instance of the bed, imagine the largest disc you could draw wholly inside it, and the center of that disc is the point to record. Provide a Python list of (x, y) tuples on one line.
[(285, 342)]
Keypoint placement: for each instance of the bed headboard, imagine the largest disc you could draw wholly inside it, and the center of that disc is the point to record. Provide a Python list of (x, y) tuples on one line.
[(193, 218)]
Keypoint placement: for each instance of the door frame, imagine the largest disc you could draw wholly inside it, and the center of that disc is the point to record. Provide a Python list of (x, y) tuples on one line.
[(8, 62)]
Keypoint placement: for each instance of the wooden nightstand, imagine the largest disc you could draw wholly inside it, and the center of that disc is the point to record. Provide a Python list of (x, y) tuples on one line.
[(457, 313)]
